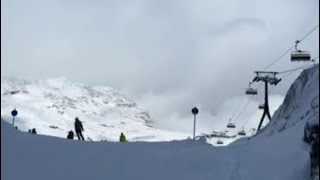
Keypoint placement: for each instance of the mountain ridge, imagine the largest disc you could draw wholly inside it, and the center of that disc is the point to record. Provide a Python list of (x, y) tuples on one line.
[(44, 104)]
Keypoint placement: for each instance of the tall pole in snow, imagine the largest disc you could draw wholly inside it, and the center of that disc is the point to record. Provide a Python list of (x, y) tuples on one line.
[(194, 126), (194, 111), (14, 113)]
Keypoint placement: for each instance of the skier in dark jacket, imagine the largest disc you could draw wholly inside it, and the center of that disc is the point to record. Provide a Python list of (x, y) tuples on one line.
[(70, 135), (79, 128)]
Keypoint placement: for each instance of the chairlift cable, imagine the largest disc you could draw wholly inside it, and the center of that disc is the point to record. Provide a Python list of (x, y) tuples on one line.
[(287, 75), (280, 57), (309, 33), (253, 114), (244, 108), (298, 68), (240, 102), (290, 70), (247, 121)]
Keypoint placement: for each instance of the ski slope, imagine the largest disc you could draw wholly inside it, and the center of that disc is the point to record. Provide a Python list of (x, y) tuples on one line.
[(278, 152), (28, 156)]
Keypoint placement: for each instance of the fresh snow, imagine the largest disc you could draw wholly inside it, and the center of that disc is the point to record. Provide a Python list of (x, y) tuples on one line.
[(277, 152)]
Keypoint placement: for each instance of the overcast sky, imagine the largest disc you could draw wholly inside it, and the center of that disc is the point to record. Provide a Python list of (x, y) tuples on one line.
[(167, 55)]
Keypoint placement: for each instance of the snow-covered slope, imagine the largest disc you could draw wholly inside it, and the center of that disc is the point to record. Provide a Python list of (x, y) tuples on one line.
[(51, 106), (34, 157)]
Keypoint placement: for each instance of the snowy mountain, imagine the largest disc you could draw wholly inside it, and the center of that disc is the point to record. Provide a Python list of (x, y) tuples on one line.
[(51, 106)]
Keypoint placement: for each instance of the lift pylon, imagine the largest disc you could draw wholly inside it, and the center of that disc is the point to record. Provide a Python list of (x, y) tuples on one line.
[(267, 77)]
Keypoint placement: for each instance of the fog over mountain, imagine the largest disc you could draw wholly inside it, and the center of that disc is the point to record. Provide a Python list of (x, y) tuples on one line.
[(167, 56)]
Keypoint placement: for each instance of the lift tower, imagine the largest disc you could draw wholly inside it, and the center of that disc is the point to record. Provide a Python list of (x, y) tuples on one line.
[(266, 77)]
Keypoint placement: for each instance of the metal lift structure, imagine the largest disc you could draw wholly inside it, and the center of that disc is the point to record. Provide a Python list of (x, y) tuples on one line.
[(267, 77)]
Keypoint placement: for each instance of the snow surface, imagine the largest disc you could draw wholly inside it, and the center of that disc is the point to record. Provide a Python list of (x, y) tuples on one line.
[(28, 156), (275, 153)]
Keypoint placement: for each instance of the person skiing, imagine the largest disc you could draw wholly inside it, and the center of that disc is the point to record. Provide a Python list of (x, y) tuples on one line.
[(34, 131), (122, 138), (78, 128), (70, 135)]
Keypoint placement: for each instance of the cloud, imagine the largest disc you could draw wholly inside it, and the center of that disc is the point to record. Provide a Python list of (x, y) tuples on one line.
[(167, 55), (173, 111)]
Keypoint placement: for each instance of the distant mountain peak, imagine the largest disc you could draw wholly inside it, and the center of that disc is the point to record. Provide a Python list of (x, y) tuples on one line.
[(55, 102)]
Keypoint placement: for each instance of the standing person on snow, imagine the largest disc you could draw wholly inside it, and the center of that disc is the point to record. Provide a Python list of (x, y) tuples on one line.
[(34, 131), (79, 128), (70, 135), (122, 138)]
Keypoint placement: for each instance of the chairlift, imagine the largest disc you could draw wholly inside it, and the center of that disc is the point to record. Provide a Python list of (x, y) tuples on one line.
[(242, 132), (261, 106), (251, 91), (219, 142), (299, 55), (231, 125)]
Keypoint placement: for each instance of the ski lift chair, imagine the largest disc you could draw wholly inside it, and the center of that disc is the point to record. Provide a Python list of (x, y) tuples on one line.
[(231, 125), (261, 106), (299, 55), (242, 132), (219, 142), (251, 91)]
